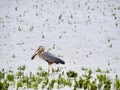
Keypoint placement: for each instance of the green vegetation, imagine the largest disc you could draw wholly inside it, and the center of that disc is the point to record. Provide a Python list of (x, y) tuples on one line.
[(2, 74), (57, 70), (19, 29), (89, 80), (4, 85), (117, 83), (13, 56), (10, 77), (71, 74), (31, 29), (43, 36)]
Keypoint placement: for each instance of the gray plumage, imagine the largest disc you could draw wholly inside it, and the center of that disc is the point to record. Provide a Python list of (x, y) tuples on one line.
[(48, 57), (51, 58)]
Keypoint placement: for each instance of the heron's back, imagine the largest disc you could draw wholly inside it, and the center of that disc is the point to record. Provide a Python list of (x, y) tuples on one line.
[(51, 58)]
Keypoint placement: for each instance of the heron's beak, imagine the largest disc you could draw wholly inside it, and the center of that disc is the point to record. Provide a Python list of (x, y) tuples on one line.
[(33, 56)]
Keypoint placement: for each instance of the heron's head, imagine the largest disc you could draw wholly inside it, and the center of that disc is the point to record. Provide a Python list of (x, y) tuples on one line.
[(40, 49)]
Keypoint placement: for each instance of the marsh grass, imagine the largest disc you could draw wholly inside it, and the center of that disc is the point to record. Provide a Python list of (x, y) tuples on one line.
[(71, 73), (90, 80), (58, 69), (13, 56), (117, 83)]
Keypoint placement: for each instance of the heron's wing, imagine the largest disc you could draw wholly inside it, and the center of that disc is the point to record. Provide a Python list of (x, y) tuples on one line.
[(49, 57)]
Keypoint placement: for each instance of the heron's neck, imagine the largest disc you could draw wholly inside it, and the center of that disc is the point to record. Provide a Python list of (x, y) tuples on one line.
[(40, 54)]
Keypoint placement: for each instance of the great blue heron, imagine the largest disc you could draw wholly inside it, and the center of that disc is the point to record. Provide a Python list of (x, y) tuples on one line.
[(48, 57)]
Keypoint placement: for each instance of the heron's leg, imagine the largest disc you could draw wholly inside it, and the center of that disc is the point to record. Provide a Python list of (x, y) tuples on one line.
[(49, 68)]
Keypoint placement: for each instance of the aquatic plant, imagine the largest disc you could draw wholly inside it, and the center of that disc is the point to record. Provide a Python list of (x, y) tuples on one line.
[(71, 73), (93, 86), (4, 85), (57, 70), (19, 84), (19, 74), (42, 80), (45, 82), (51, 84), (2, 74), (84, 68), (35, 85), (98, 70), (40, 68), (10, 77), (117, 83), (22, 68)]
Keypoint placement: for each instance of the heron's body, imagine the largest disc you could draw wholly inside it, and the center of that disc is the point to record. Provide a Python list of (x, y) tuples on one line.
[(48, 57)]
